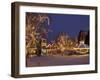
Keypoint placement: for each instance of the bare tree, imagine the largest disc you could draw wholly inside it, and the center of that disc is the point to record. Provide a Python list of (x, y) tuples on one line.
[(36, 29)]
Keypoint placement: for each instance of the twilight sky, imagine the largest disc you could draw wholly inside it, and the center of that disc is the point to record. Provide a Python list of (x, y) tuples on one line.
[(71, 24)]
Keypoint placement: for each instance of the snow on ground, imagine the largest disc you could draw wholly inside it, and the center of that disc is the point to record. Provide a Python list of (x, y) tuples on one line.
[(58, 60)]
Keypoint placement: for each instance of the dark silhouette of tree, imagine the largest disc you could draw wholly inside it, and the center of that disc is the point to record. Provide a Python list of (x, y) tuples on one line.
[(87, 38), (81, 36)]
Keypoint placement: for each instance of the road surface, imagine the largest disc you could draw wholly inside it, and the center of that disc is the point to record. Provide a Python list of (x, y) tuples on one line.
[(58, 60)]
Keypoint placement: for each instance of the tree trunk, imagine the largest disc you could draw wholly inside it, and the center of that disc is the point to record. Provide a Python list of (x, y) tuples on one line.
[(39, 48)]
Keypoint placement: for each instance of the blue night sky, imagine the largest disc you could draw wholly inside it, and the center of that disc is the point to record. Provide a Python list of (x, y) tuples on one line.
[(69, 23)]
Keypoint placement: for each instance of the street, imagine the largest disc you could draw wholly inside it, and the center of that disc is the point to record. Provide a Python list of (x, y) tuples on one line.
[(57, 60)]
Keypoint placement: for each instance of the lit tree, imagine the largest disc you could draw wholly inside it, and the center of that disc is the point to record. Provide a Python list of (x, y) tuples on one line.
[(36, 29)]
